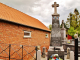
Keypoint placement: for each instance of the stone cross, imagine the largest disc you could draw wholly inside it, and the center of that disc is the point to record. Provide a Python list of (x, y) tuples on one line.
[(55, 7)]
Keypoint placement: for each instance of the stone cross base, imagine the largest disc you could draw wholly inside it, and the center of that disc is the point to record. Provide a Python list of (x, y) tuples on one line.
[(52, 47)]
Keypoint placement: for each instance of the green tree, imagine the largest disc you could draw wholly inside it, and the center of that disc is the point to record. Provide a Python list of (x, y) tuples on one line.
[(50, 27), (76, 11), (78, 29), (71, 31), (69, 19), (73, 21), (74, 24)]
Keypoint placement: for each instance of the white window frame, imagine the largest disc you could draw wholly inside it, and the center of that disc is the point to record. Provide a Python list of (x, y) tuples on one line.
[(25, 36), (46, 35)]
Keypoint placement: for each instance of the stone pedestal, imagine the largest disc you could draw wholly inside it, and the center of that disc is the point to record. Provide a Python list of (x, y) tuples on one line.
[(56, 32), (63, 33), (59, 52)]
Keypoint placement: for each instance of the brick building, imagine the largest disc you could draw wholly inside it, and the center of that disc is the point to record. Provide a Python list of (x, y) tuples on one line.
[(21, 29)]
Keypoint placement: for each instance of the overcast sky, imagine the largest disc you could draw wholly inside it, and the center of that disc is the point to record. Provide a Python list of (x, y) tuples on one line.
[(42, 9)]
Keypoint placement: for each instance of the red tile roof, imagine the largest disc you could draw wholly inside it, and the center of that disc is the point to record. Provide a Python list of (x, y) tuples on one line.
[(13, 15)]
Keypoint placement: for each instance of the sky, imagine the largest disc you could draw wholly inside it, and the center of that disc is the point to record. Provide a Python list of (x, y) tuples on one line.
[(42, 9)]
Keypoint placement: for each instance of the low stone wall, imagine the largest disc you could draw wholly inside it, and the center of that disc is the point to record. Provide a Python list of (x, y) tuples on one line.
[(71, 46)]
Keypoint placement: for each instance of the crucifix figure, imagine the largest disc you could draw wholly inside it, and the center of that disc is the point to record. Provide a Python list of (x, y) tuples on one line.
[(55, 7)]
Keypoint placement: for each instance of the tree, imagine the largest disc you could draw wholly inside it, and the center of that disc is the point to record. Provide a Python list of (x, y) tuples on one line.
[(50, 27), (73, 21), (69, 19), (76, 11), (71, 31), (73, 18), (78, 29), (74, 24)]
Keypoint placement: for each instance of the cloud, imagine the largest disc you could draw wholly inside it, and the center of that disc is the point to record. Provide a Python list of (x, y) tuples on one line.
[(42, 10)]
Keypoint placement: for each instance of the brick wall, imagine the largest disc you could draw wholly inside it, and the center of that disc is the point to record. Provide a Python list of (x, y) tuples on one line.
[(13, 34)]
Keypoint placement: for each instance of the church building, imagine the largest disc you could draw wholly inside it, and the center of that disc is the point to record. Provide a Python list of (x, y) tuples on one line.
[(19, 28)]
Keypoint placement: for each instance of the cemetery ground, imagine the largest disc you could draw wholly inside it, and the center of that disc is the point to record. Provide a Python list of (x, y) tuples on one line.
[(65, 57), (57, 35)]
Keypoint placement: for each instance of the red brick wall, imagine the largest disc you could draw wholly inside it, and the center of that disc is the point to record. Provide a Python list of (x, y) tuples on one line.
[(13, 34)]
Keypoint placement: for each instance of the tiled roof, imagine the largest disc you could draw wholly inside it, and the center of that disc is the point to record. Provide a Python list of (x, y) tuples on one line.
[(13, 15)]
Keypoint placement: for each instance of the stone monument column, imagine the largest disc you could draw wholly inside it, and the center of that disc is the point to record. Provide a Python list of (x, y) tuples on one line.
[(63, 31), (55, 33)]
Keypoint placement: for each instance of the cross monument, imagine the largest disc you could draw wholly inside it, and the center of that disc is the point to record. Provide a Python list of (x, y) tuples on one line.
[(55, 41), (55, 7), (55, 33)]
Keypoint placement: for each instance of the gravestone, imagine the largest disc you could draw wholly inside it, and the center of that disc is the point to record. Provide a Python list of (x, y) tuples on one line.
[(56, 31)]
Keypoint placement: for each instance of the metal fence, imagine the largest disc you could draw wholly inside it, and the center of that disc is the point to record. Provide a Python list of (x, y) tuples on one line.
[(17, 52)]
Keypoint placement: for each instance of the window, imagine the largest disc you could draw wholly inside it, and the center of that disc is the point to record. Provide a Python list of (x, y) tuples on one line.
[(27, 34), (46, 35)]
